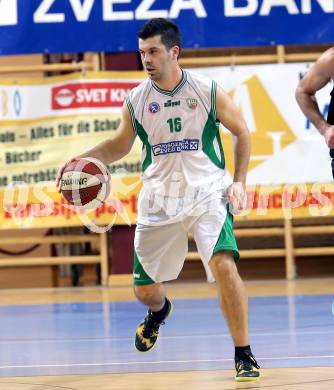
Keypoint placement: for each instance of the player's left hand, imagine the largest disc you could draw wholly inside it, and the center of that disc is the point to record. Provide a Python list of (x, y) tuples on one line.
[(236, 194), (329, 136)]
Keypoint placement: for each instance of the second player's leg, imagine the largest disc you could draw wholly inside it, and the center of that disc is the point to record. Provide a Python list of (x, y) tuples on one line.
[(232, 295), (234, 303), (213, 233)]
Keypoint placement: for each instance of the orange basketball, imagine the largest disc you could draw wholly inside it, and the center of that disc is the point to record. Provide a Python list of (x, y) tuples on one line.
[(85, 183)]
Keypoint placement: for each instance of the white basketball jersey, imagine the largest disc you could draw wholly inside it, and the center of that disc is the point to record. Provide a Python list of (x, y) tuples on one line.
[(182, 147)]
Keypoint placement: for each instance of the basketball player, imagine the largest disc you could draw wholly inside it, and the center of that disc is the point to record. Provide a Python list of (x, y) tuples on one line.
[(176, 115), (321, 73)]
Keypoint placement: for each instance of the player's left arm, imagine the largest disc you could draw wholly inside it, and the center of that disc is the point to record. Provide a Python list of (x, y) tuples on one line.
[(230, 117), (320, 74)]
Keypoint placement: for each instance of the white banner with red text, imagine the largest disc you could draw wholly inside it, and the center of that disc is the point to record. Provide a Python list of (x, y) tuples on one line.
[(44, 122)]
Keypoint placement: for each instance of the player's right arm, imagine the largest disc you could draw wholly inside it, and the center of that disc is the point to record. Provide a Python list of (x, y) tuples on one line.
[(315, 79), (112, 149), (119, 145)]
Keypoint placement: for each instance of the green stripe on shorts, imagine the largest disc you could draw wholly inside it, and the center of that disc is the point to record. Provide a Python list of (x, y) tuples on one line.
[(226, 240), (140, 277)]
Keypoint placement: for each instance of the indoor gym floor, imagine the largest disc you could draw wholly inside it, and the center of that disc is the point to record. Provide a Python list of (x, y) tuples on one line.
[(82, 338)]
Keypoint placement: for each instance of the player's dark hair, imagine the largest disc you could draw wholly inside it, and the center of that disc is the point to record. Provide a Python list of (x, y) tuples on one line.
[(169, 32)]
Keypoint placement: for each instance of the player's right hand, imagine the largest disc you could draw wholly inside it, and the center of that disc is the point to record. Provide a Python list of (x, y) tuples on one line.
[(60, 173), (329, 136)]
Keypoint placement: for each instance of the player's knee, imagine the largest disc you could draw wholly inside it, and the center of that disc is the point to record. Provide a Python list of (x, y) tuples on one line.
[(149, 295), (225, 265)]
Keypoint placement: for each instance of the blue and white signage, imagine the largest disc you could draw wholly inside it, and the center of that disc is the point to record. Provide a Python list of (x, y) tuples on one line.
[(52, 26)]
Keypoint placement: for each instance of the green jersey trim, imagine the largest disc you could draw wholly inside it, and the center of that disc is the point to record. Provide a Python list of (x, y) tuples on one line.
[(226, 240), (148, 148), (213, 99), (132, 114), (139, 275), (176, 89), (209, 136)]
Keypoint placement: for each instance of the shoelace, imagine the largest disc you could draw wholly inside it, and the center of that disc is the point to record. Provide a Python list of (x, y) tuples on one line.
[(151, 326), (246, 362)]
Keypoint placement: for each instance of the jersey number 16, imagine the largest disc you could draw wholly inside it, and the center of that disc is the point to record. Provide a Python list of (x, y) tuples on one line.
[(175, 125)]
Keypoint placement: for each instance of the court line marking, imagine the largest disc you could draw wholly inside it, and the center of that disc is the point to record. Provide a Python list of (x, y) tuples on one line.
[(163, 362), (108, 339)]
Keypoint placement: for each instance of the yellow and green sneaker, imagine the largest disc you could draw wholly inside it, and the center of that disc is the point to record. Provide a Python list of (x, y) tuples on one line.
[(247, 368), (148, 331)]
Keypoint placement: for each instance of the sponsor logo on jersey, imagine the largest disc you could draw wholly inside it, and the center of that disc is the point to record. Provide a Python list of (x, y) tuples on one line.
[(185, 145), (170, 103), (192, 103), (154, 107)]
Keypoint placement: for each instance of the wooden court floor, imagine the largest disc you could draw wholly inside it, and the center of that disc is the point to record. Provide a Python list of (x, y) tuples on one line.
[(81, 339), (288, 378)]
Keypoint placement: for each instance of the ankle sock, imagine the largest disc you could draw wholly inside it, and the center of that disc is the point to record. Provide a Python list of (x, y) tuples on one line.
[(160, 315), (240, 351)]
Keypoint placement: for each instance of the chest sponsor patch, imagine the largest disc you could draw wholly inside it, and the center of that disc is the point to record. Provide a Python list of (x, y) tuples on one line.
[(192, 103), (154, 107), (185, 145)]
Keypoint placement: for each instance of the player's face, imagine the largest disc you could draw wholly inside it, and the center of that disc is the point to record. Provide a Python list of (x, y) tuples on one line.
[(156, 58)]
